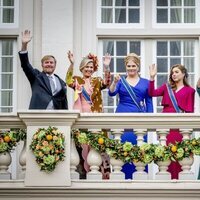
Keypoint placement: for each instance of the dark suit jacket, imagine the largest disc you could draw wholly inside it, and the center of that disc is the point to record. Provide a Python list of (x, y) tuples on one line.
[(41, 89)]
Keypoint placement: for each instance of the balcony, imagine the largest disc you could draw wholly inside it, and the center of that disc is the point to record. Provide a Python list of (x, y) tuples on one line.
[(26, 181)]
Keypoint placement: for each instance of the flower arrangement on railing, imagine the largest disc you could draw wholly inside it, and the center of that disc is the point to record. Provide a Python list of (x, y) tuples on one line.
[(8, 140), (146, 153), (48, 146)]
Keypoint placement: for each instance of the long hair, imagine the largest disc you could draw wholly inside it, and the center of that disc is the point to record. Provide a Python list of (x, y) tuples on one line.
[(183, 70)]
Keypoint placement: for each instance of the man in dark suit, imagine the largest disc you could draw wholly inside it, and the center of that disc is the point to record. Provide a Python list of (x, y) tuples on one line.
[(48, 89)]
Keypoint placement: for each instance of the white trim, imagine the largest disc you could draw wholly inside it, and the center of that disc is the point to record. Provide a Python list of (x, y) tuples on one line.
[(15, 80)]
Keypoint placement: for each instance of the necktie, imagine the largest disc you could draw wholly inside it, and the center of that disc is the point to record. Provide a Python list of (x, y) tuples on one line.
[(52, 84)]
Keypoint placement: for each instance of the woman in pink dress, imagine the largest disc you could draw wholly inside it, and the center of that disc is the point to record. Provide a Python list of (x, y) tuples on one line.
[(184, 97), (87, 93)]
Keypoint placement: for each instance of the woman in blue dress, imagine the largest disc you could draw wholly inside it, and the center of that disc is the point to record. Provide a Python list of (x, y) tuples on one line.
[(133, 97)]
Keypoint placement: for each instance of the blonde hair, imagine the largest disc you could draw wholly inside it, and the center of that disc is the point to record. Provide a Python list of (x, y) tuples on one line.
[(183, 70), (90, 58), (47, 57), (134, 57)]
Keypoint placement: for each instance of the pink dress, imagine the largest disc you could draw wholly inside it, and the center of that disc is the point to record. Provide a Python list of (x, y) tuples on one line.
[(185, 100)]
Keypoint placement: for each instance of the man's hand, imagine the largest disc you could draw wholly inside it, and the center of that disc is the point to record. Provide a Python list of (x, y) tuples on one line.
[(26, 38)]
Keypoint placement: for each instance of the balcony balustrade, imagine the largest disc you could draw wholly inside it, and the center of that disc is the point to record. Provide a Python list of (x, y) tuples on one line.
[(156, 183)]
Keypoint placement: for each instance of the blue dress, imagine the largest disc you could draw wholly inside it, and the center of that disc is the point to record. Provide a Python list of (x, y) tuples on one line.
[(126, 105)]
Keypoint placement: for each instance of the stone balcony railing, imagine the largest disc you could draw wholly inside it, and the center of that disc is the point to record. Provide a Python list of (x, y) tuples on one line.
[(155, 184)]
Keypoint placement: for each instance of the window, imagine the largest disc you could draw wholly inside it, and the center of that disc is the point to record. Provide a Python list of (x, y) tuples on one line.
[(176, 11), (120, 12), (118, 49), (8, 13), (7, 75), (170, 52)]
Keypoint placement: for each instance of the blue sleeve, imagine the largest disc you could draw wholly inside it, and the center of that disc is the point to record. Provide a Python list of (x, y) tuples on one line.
[(116, 90)]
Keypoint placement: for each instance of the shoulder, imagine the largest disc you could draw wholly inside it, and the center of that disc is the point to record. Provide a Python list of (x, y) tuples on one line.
[(144, 80), (190, 89)]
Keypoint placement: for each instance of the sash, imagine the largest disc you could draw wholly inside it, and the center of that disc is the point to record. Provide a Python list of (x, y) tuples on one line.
[(86, 95), (173, 98), (132, 94)]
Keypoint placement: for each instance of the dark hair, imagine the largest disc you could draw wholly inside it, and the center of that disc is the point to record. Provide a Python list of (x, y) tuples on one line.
[(183, 70)]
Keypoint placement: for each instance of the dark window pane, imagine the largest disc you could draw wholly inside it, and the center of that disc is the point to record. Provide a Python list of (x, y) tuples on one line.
[(107, 100), (175, 2), (161, 79), (189, 15), (6, 98), (120, 2), (121, 48), (120, 15), (8, 15), (106, 2), (159, 100), (162, 2), (162, 65), (7, 47), (175, 15), (6, 81), (135, 47), (175, 48), (108, 47), (189, 64), (188, 48), (120, 65), (161, 48), (8, 2), (106, 15), (189, 2), (134, 2), (162, 16), (108, 110), (134, 16), (174, 61), (6, 110), (7, 64), (191, 80)]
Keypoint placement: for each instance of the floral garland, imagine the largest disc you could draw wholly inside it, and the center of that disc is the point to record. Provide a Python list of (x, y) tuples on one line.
[(48, 146), (8, 140), (146, 153)]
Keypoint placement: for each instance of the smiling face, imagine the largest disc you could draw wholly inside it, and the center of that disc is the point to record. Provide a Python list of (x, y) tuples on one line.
[(132, 68), (48, 65), (88, 70), (177, 75)]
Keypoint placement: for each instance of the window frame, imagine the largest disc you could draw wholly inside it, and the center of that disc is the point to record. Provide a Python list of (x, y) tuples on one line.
[(175, 25), (14, 73), (15, 24), (120, 25)]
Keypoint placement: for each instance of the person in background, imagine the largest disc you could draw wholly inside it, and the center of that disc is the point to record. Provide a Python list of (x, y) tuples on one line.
[(48, 89), (177, 97), (133, 97), (88, 98)]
